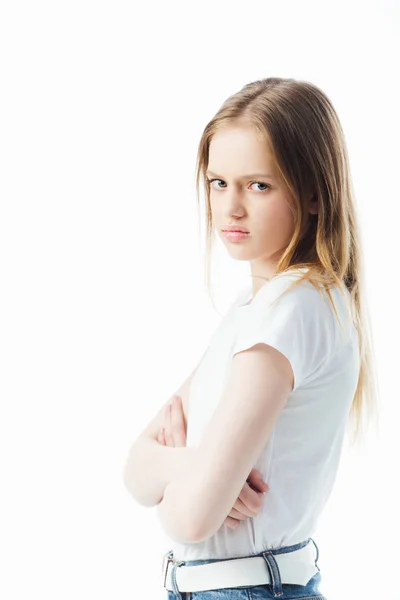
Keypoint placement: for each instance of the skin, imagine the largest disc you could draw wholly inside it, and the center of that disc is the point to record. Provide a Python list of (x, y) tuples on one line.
[(259, 204), (262, 205), (248, 503)]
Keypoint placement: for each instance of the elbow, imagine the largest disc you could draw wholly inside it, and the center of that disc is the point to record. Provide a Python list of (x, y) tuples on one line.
[(210, 518), (185, 536), (189, 533), (128, 478), (202, 528), (200, 534), (176, 514), (203, 515), (195, 533)]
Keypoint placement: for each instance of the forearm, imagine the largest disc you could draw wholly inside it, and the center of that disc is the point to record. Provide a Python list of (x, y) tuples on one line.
[(174, 512), (151, 466)]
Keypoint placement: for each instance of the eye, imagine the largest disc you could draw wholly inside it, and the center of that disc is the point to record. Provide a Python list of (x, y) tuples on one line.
[(261, 183), (210, 181)]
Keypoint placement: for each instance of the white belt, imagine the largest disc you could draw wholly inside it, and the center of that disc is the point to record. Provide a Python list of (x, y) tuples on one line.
[(297, 567)]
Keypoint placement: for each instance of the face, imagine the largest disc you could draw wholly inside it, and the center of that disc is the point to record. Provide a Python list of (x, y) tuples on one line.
[(256, 202)]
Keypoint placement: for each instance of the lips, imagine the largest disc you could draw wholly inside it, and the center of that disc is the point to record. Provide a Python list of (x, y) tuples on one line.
[(235, 236), (237, 229)]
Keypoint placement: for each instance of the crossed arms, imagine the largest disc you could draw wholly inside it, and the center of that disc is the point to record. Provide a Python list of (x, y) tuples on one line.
[(195, 488)]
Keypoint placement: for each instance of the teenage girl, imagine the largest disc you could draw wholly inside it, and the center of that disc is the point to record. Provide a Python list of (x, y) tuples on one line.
[(267, 408)]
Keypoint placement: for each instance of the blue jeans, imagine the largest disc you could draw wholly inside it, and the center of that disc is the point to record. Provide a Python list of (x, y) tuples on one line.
[(276, 590)]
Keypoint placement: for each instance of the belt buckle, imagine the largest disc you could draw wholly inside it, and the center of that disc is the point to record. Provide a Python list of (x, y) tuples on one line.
[(168, 557)]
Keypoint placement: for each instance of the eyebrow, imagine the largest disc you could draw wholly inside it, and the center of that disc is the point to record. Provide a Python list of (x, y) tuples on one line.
[(251, 176)]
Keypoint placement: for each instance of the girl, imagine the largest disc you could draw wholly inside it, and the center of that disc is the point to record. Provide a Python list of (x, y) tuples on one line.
[(291, 360)]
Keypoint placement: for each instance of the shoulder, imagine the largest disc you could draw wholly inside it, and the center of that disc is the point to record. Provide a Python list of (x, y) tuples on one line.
[(290, 289), (293, 306), (297, 317)]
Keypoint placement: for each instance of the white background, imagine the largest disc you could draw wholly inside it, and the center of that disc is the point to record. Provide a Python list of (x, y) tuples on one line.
[(103, 305)]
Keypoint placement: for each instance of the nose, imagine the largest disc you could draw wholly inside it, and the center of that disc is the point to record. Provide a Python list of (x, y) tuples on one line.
[(233, 203)]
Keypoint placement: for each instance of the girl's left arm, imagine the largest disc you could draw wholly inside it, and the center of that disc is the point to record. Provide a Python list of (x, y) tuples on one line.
[(198, 501)]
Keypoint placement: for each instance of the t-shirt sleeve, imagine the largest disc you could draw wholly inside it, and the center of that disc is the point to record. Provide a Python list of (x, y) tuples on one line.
[(299, 324)]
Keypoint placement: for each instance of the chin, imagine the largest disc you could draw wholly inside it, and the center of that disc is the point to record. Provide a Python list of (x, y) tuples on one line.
[(240, 253)]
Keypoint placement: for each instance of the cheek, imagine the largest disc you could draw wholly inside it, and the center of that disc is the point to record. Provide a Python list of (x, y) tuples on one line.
[(216, 211), (272, 213), (275, 223)]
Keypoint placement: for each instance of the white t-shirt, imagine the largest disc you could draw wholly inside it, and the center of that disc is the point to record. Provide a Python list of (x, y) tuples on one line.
[(301, 457)]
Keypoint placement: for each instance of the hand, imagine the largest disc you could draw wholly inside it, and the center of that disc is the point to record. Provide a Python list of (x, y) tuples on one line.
[(249, 502), (173, 434)]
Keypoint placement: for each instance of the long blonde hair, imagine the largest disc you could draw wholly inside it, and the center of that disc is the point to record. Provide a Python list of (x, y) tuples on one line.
[(302, 130)]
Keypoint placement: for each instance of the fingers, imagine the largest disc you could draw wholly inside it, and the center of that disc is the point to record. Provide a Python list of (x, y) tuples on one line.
[(178, 422), (251, 499), (256, 481), (161, 437), (174, 423), (247, 505), (231, 523), (238, 514), (243, 508), (169, 438)]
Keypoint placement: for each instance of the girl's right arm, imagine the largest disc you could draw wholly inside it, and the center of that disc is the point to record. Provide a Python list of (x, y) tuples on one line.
[(151, 466)]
